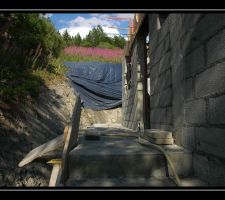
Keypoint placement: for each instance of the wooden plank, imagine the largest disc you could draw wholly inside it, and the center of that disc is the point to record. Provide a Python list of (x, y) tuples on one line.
[(159, 140), (161, 134), (71, 139), (55, 176), (45, 148)]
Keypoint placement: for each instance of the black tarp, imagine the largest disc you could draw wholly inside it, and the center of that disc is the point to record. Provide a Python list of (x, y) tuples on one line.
[(99, 84)]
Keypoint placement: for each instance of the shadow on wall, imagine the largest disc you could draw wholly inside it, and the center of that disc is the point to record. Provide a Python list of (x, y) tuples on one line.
[(185, 62), (198, 97)]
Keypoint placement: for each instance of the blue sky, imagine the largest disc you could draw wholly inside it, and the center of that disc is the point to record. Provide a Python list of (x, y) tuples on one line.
[(84, 22)]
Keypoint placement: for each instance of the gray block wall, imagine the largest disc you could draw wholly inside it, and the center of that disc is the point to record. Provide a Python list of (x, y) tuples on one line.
[(160, 74), (187, 82), (191, 48), (133, 98)]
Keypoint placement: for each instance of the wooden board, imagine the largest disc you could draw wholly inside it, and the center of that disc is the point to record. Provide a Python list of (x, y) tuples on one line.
[(45, 148), (159, 140), (55, 176), (71, 139), (159, 134)]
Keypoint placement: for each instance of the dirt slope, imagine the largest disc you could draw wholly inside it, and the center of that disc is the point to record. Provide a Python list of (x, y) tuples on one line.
[(23, 128)]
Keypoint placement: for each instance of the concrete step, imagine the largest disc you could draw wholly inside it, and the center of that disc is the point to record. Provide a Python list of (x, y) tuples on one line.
[(112, 157), (158, 136), (121, 182), (134, 182), (193, 182)]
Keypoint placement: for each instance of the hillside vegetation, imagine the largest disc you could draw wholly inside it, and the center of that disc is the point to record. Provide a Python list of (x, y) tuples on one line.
[(95, 38), (32, 53)]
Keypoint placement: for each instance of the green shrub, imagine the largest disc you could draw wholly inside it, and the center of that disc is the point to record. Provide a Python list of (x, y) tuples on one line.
[(106, 45)]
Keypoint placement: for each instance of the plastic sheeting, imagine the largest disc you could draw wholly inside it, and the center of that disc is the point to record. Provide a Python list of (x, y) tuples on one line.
[(98, 84)]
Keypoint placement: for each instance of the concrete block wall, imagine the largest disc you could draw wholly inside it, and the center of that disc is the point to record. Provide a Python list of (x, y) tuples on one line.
[(130, 97), (160, 73), (187, 87), (187, 67)]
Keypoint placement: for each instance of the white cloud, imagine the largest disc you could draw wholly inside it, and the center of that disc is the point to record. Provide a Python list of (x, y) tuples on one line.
[(89, 22), (124, 15), (99, 15), (83, 31), (47, 15), (110, 31), (83, 25)]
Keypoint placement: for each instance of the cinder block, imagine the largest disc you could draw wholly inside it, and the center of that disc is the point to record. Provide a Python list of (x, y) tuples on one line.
[(165, 97), (207, 27), (195, 112), (130, 124), (216, 172), (127, 116), (210, 81), (175, 29), (154, 101), (155, 70), (158, 115), (166, 44), (164, 30), (152, 22), (160, 83), (217, 110), (155, 126), (166, 127), (153, 40), (169, 115), (174, 17), (152, 85), (177, 134), (211, 141), (201, 167), (164, 63), (194, 62), (132, 113), (176, 55), (185, 42), (178, 104), (188, 88), (191, 20), (216, 48), (168, 78), (188, 138), (159, 50), (161, 99), (158, 53)]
